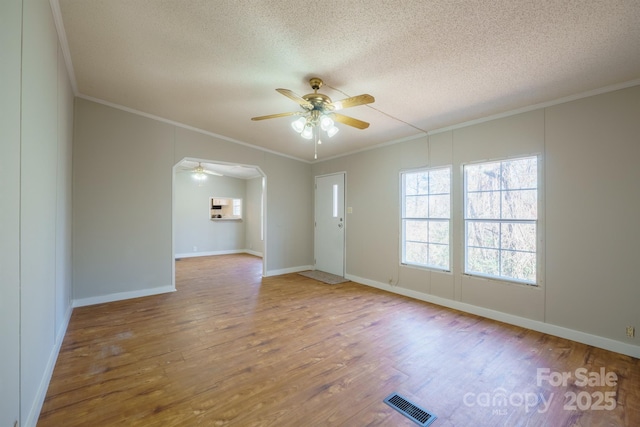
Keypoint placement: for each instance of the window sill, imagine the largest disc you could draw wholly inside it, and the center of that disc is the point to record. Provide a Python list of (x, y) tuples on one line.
[(502, 280)]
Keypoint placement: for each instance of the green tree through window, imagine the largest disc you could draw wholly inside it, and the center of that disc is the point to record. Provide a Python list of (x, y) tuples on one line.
[(501, 215)]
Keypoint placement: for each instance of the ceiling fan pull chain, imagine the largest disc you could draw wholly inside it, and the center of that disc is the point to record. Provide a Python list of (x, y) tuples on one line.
[(320, 112), (315, 149)]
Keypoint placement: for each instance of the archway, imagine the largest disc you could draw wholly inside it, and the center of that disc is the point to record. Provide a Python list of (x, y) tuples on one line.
[(196, 183)]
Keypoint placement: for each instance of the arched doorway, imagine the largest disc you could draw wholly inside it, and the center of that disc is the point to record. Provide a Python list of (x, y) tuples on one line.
[(203, 228)]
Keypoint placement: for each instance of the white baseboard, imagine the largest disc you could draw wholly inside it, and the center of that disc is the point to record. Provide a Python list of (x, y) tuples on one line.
[(536, 325), (210, 253), (34, 413), (288, 270), (122, 296), (154, 291)]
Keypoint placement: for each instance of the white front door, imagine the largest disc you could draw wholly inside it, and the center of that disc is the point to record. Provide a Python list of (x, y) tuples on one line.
[(329, 224)]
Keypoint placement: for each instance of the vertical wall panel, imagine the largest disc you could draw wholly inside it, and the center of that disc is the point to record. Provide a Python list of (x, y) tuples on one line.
[(513, 136), (593, 201), (122, 189), (288, 201), (63, 199), (193, 228), (38, 201), (253, 239), (122, 167), (10, 41), (589, 208)]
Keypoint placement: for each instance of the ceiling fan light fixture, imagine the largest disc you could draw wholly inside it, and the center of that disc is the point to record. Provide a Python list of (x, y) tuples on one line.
[(332, 131), (299, 124), (319, 113), (326, 123), (307, 132)]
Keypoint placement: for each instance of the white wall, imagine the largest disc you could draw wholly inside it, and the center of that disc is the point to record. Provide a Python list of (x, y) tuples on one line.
[(122, 171), (193, 228), (588, 211), (593, 206), (289, 203), (36, 205), (10, 74), (38, 190), (253, 212), (64, 192), (518, 135), (123, 168)]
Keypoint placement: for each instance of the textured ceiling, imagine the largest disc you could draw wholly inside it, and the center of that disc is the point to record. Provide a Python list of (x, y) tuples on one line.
[(213, 65)]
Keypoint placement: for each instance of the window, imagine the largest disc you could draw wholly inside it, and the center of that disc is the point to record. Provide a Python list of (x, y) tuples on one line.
[(426, 218), (237, 207), (501, 216), (223, 208)]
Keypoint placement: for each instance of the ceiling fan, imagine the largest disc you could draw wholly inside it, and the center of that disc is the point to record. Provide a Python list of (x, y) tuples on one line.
[(199, 172), (319, 112)]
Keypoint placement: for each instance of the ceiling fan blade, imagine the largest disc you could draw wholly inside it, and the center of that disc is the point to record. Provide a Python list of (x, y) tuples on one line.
[(351, 102), (273, 116), (211, 172), (350, 121), (300, 100)]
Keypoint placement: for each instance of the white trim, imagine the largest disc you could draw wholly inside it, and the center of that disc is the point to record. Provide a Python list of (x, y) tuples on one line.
[(536, 325), (344, 216), (254, 253), (263, 219), (212, 253), (64, 43), (402, 192), (209, 253), (373, 147), (36, 408), (509, 113), (119, 296), (289, 270), (263, 225), (182, 125), (514, 112), (540, 106)]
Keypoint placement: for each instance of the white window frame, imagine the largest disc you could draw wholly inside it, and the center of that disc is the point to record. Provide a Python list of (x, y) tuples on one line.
[(236, 207), (501, 221), (404, 218)]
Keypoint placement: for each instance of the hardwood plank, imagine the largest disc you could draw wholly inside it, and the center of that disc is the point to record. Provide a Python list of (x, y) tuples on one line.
[(233, 348)]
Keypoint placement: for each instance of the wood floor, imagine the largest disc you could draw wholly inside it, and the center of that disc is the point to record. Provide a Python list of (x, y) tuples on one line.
[(233, 348)]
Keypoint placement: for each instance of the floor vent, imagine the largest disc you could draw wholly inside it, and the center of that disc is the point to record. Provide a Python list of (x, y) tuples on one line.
[(409, 410)]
